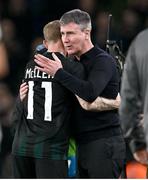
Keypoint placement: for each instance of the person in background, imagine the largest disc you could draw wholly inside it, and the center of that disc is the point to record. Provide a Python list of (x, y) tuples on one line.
[(6, 102), (6, 107), (4, 68), (72, 164), (134, 94)]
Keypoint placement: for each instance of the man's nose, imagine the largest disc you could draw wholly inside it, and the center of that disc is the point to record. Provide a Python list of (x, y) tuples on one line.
[(65, 39)]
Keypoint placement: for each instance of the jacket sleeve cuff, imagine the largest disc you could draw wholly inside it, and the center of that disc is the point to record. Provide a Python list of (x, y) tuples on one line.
[(60, 74)]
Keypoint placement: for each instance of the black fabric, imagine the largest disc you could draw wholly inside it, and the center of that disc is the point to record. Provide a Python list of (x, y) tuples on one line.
[(27, 167), (103, 158), (36, 136), (101, 79)]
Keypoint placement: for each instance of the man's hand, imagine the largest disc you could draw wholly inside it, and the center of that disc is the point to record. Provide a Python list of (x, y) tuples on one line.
[(117, 101), (141, 156), (48, 65), (23, 90)]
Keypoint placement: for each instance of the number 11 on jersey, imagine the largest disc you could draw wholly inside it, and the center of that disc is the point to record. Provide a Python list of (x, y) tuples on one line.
[(48, 100)]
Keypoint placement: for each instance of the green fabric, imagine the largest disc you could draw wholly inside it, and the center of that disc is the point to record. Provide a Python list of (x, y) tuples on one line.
[(72, 148)]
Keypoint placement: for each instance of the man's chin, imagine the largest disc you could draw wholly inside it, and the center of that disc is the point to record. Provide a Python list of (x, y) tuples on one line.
[(70, 53)]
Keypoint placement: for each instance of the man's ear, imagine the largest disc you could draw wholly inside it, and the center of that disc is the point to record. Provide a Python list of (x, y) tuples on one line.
[(87, 33), (45, 44)]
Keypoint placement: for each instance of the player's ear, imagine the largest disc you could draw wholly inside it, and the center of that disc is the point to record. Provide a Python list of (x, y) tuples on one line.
[(45, 44)]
